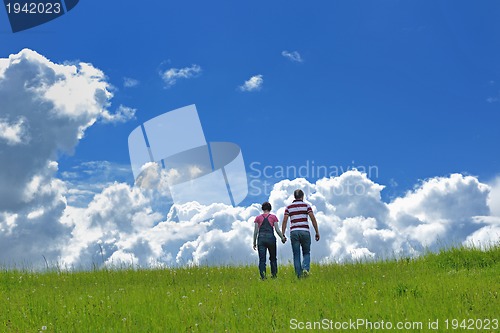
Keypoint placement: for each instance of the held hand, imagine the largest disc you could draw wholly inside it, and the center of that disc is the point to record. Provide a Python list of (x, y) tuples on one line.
[(283, 239), (317, 237), (255, 247)]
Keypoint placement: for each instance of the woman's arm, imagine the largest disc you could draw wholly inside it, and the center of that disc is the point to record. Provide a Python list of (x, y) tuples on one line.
[(278, 231)]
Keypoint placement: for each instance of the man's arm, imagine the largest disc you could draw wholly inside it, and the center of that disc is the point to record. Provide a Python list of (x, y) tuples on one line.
[(255, 233), (315, 224)]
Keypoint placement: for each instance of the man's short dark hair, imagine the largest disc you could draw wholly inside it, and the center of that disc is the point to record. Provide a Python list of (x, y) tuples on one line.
[(298, 194), (266, 206)]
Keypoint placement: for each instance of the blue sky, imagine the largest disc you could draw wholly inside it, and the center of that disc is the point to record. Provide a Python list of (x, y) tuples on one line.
[(411, 87), (407, 90)]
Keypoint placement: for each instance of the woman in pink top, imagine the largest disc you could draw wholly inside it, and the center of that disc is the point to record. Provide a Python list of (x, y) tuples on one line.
[(265, 225)]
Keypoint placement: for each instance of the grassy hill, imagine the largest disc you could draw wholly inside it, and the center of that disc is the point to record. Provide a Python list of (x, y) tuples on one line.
[(452, 291)]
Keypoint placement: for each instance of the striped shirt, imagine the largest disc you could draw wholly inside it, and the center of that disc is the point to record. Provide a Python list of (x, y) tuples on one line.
[(298, 212)]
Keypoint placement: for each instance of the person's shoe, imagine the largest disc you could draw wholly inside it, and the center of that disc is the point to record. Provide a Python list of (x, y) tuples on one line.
[(305, 273), (274, 276)]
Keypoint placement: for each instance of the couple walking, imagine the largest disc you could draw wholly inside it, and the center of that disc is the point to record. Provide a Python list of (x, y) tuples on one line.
[(264, 239)]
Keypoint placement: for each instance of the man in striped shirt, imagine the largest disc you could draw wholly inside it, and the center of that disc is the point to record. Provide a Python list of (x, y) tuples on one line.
[(299, 211)]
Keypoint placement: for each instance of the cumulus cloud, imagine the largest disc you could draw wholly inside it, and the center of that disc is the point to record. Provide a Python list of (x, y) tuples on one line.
[(355, 223), (52, 105), (484, 237), (253, 84), (121, 225), (46, 108), (113, 221), (442, 210), (292, 56), (494, 198), (170, 76)]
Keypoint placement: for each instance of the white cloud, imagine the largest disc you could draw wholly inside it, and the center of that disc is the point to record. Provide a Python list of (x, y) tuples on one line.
[(14, 133), (170, 76), (442, 210), (130, 228), (494, 198), (114, 219), (253, 84), (293, 56), (354, 222), (53, 105), (129, 82), (484, 237), (46, 108), (121, 115)]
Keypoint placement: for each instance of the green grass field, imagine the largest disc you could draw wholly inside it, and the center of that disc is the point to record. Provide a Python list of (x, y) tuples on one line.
[(457, 288)]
